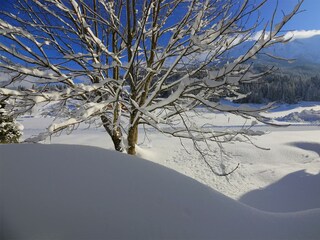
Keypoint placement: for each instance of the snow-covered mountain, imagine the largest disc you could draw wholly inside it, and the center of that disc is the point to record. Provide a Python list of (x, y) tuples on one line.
[(304, 50)]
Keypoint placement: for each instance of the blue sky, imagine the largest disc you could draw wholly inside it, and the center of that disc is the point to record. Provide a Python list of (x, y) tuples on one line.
[(308, 19)]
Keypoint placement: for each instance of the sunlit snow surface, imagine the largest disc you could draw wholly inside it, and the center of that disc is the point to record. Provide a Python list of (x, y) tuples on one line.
[(80, 192)]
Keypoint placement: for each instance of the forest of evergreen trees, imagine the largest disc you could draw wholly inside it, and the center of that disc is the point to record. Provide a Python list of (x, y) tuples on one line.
[(285, 89), (288, 86)]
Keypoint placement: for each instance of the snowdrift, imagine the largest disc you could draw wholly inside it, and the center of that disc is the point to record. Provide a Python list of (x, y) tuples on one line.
[(306, 116), (295, 192), (70, 192)]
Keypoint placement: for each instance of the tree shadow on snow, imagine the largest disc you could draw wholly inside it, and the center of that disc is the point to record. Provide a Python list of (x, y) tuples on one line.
[(297, 191), (309, 146)]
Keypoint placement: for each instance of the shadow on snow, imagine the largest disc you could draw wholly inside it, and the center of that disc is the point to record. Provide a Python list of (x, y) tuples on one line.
[(297, 191)]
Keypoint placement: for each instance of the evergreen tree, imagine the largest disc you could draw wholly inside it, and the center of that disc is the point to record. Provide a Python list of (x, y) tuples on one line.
[(10, 132)]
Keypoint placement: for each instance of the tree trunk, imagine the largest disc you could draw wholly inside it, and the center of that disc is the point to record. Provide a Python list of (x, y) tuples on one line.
[(117, 141), (132, 139), (115, 133)]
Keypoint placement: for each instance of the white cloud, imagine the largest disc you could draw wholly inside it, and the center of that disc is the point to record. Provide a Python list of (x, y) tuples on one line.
[(300, 34), (293, 35)]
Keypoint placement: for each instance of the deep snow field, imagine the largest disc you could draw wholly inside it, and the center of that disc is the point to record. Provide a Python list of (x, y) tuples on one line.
[(275, 193), (293, 148)]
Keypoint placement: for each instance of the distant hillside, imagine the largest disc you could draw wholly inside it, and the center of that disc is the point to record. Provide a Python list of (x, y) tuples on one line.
[(293, 81), (305, 50)]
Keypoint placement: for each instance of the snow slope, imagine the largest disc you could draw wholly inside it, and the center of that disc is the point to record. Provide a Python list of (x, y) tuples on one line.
[(80, 192), (292, 149), (295, 192)]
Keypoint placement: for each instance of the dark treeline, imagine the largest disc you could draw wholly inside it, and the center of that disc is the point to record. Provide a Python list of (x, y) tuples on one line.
[(285, 88)]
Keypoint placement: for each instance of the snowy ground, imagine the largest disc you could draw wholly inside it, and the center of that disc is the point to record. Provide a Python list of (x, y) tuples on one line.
[(68, 192), (280, 187), (292, 149)]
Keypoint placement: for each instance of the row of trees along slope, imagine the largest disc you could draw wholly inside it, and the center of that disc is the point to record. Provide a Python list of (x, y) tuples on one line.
[(283, 86)]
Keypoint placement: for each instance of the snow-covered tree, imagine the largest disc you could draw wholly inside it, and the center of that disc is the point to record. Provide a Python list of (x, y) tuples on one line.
[(10, 130), (116, 60)]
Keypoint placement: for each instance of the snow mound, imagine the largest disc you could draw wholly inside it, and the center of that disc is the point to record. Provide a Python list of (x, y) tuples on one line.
[(295, 192), (70, 192), (310, 116)]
